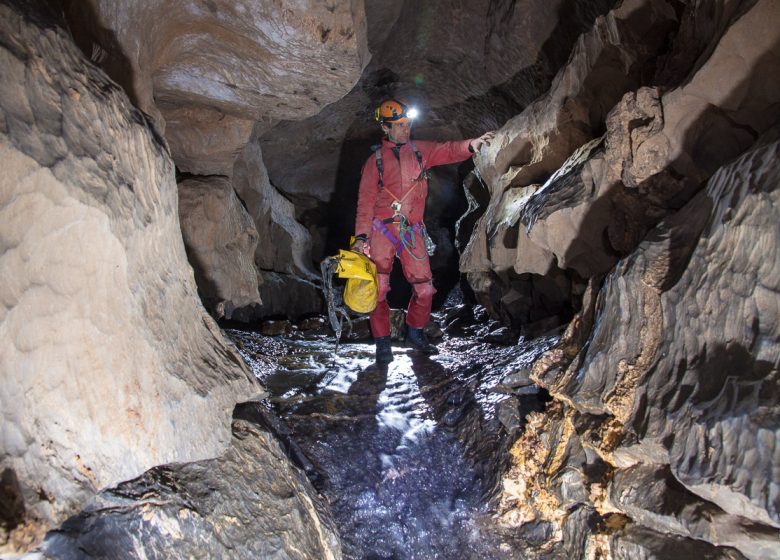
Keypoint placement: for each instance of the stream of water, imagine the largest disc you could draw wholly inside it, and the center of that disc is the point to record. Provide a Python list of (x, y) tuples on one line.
[(408, 455)]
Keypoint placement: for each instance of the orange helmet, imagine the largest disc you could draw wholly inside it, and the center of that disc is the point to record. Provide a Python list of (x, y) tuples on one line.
[(392, 110)]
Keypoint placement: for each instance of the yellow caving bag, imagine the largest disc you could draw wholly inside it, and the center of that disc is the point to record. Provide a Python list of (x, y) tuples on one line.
[(361, 290), (360, 293)]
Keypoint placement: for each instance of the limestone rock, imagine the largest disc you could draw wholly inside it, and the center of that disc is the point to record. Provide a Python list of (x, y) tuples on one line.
[(230, 63), (205, 141), (658, 151), (532, 146), (653, 498), (248, 503), (640, 543), (667, 379), (288, 295), (220, 239), (673, 375), (276, 328), (106, 353), (285, 245)]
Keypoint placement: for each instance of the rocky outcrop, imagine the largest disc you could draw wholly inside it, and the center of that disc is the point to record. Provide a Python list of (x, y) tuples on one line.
[(211, 73), (659, 438), (561, 197), (664, 407), (285, 245), (207, 72), (109, 363), (283, 254), (551, 140), (220, 239), (249, 503)]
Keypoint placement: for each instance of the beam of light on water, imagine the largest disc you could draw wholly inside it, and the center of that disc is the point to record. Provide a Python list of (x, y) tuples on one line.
[(396, 444)]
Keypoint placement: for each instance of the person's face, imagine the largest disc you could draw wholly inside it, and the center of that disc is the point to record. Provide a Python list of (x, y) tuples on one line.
[(398, 132)]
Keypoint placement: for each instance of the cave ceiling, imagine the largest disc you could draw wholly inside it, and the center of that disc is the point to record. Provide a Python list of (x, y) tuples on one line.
[(304, 76)]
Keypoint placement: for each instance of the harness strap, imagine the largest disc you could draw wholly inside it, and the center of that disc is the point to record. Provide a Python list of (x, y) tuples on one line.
[(381, 227), (407, 240), (381, 168)]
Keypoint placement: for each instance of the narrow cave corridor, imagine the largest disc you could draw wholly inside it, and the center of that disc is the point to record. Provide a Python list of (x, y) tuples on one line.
[(598, 376)]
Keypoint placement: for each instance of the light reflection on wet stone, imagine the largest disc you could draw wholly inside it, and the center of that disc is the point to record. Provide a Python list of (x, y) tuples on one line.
[(409, 454)]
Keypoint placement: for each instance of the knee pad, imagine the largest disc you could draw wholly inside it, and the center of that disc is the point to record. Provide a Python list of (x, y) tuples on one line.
[(424, 289), (384, 286)]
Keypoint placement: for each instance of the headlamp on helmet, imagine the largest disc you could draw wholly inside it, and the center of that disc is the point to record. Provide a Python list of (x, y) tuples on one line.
[(393, 111)]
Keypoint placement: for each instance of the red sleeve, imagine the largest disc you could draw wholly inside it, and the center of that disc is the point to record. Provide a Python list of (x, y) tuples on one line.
[(442, 153), (369, 187)]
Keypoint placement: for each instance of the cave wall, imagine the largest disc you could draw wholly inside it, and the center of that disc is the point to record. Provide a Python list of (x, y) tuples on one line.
[(462, 89), (208, 75), (110, 364), (221, 240), (661, 439), (302, 80)]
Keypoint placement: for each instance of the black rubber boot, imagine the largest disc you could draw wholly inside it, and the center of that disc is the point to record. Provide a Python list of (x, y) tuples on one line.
[(384, 354), (417, 338)]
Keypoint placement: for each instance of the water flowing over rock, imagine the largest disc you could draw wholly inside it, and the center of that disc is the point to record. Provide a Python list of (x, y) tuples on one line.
[(406, 453), (110, 365)]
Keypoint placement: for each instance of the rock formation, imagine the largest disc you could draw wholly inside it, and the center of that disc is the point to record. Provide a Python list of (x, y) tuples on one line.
[(660, 437), (110, 364), (208, 75), (221, 239), (207, 509), (217, 78), (632, 190)]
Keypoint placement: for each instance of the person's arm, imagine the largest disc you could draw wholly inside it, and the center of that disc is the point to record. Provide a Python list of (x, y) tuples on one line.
[(442, 153), (367, 193)]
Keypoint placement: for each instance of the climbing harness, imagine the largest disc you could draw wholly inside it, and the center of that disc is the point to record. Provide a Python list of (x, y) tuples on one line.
[(360, 293), (407, 231), (409, 235), (380, 167)]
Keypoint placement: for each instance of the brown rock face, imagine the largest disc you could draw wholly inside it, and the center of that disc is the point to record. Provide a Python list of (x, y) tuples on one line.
[(106, 354), (224, 63), (285, 244), (666, 379), (209, 73), (220, 239), (216, 508), (534, 145)]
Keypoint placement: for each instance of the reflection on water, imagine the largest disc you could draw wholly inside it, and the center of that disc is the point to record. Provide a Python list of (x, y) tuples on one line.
[(408, 454)]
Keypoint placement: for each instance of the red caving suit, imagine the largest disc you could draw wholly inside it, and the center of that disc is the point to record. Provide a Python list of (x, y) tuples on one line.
[(401, 180)]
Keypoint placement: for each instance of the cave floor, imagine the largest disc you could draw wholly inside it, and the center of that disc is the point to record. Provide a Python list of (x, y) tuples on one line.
[(407, 455)]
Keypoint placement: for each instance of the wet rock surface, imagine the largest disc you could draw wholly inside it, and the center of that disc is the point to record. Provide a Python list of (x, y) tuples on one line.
[(407, 455), (666, 378), (248, 503)]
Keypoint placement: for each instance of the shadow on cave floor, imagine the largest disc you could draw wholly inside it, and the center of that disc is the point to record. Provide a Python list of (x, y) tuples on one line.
[(408, 455)]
